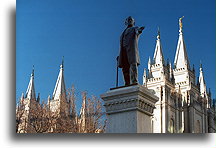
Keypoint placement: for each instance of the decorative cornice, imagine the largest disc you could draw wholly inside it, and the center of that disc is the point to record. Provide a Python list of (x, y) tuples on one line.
[(129, 98), (129, 104)]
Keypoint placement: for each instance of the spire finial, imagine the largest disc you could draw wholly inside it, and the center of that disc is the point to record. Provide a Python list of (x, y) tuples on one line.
[(38, 98), (201, 69), (48, 101), (63, 60), (22, 96), (144, 73), (158, 36), (62, 65), (149, 62), (200, 64), (144, 78), (30, 93), (180, 23), (32, 71)]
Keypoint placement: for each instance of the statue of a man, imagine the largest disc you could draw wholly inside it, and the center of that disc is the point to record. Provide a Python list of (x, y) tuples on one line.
[(180, 22), (129, 55)]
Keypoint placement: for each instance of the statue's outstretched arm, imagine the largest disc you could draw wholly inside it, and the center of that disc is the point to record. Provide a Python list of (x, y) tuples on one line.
[(141, 29)]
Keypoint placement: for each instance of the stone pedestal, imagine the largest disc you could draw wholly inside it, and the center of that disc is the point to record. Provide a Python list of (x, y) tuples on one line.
[(129, 109)]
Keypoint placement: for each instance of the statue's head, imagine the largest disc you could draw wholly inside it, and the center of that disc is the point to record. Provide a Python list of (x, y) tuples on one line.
[(130, 21)]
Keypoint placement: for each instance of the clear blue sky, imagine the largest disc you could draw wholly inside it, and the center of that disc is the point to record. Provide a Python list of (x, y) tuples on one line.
[(87, 34)]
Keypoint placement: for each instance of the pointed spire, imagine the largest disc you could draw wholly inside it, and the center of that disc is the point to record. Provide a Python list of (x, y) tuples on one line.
[(84, 107), (149, 63), (83, 112), (200, 64), (32, 74), (60, 89), (170, 68), (144, 78), (181, 57), (214, 104), (202, 84), (158, 54), (48, 100), (30, 93), (198, 84), (158, 35), (22, 96), (62, 65), (171, 72), (149, 68), (38, 98)]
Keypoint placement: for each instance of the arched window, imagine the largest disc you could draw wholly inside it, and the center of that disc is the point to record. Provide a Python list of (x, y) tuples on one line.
[(171, 126), (198, 127)]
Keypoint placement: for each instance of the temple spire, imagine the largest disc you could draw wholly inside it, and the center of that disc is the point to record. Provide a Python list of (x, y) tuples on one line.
[(60, 90), (62, 65), (144, 78), (38, 98), (202, 84), (181, 57), (149, 68), (149, 63), (171, 73), (84, 107), (22, 96), (48, 100), (83, 113), (30, 93), (158, 54)]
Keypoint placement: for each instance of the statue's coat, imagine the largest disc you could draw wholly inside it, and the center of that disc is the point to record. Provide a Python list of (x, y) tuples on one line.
[(129, 53)]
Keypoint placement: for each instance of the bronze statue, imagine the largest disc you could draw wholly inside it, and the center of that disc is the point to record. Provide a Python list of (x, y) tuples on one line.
[(129, 55), (180, 22)]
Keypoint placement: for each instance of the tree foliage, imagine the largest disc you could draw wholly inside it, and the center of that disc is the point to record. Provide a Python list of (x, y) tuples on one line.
[(33, 117)]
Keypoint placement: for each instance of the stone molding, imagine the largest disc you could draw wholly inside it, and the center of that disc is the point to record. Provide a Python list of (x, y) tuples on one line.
[(129, 104), (129, 98)]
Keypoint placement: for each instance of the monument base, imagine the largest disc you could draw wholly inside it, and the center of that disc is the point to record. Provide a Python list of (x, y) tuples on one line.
[(129, 109)]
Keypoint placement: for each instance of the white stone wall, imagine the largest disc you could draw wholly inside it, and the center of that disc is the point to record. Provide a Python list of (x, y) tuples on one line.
[(143, 123), (124, 122)]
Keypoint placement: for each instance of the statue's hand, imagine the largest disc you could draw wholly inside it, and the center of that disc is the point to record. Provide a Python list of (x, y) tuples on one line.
[(142, 28)]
